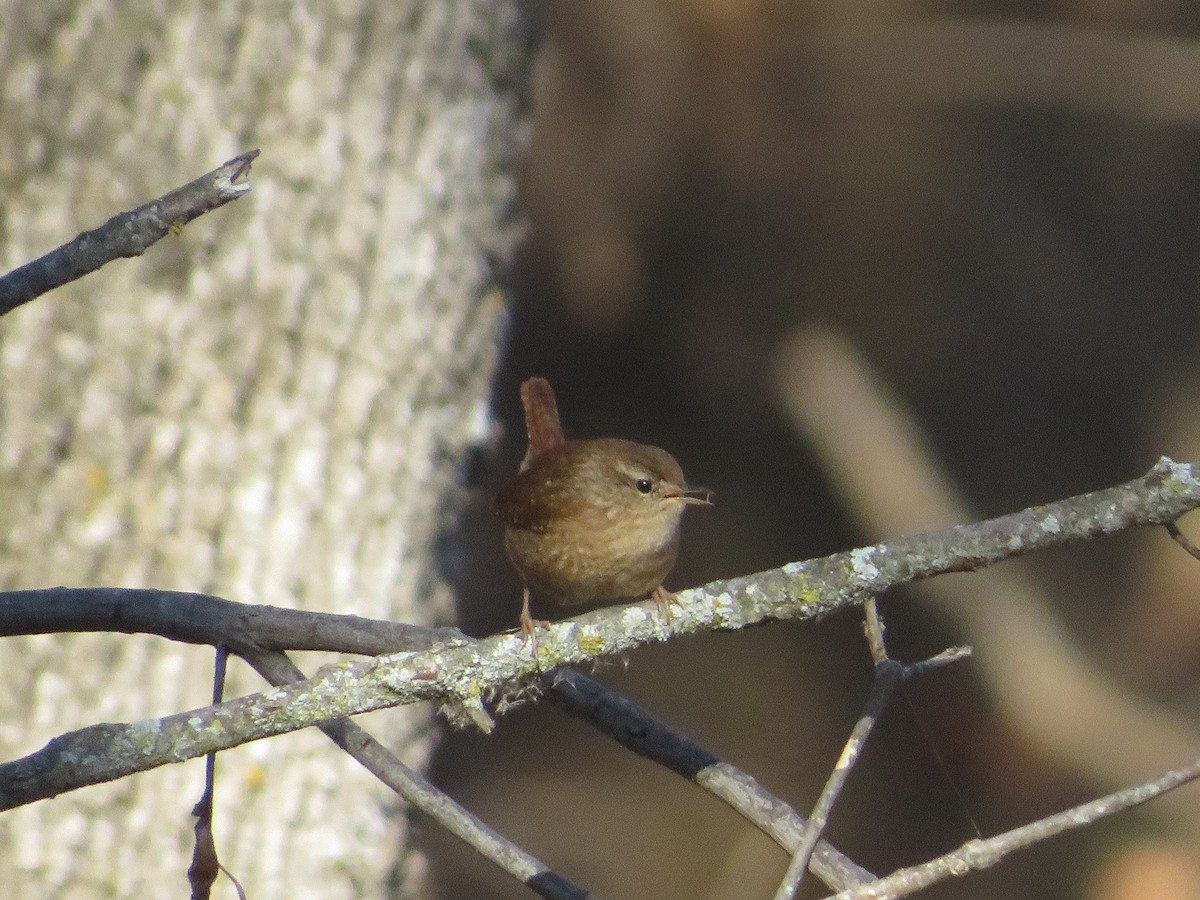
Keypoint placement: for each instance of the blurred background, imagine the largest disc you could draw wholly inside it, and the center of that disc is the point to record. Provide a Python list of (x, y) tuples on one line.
[(864, 268)]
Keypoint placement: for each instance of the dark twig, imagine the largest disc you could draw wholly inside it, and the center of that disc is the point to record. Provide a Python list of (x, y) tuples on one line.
[(127, 234), (636, 729), (984, 853), (206, 864), (202, 873)]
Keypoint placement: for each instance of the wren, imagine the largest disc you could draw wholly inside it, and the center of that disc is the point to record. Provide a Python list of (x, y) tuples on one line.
[(591, 521)]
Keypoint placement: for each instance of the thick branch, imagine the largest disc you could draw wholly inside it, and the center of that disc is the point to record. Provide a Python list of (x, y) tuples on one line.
[(461, 676), (204, 619), (127, 234)]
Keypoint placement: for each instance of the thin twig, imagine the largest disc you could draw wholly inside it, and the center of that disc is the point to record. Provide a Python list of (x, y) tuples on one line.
[(205, 866), (873, 630), (1181, 539), (981, 854), (634, 728), (888, 674), (947, 657), (127, 234)]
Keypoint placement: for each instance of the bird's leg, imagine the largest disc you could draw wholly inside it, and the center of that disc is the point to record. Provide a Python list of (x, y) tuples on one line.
[(529, 624), (664, 600)]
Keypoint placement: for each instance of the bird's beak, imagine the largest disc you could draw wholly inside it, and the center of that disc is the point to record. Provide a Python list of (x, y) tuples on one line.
[(697, 495)]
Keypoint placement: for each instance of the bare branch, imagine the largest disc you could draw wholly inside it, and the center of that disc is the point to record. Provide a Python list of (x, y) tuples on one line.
[(205, 619), (634, 728), (127, 234), (982, 854)]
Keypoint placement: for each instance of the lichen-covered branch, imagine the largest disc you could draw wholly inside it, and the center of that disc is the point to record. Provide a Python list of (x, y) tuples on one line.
[(462, 676), (986, 852)]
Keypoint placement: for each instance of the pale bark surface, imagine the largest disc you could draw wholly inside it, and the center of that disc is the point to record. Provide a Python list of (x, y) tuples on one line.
[(272, 407)]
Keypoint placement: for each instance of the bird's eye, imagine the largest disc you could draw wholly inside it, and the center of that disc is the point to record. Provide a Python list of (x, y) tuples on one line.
[(645, 485)]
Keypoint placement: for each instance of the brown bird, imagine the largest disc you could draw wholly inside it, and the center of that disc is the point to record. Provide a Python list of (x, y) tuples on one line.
[(591, 521)]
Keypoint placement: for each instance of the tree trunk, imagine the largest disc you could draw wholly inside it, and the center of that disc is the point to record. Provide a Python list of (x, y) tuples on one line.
[(273, 406)]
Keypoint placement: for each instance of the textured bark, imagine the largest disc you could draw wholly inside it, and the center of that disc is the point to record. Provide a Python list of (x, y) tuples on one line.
[(272, 406)]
